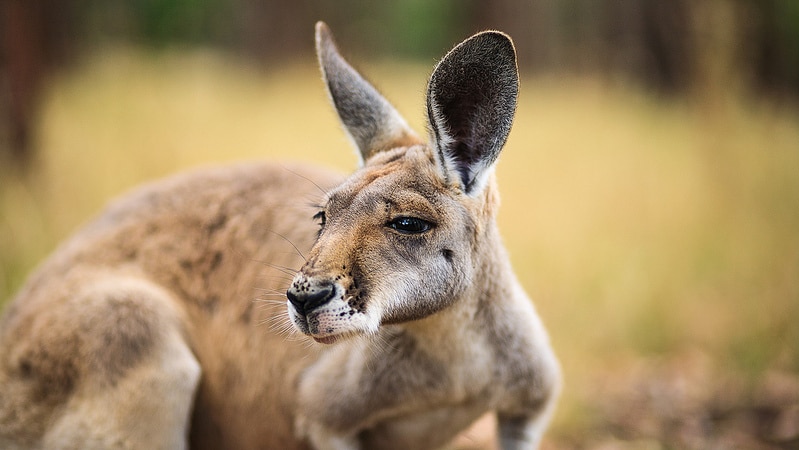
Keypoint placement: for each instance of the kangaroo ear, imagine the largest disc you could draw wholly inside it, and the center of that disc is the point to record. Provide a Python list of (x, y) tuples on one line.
[(370, 120), (471, 100)]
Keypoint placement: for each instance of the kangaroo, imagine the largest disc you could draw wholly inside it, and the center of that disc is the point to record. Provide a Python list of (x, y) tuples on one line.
[(404, 324)]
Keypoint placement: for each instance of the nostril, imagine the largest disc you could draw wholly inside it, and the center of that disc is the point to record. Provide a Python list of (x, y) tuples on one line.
[(306, 301), (319, 296), (296, 301)]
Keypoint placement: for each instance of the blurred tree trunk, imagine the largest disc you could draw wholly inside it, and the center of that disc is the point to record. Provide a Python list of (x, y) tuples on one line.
[(276, 30), (650, 40), (771, 45), (34, 35), (533, 25), (670, 43)]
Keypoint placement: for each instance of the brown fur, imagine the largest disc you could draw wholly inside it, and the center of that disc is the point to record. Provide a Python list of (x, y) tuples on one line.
[(162, 324)]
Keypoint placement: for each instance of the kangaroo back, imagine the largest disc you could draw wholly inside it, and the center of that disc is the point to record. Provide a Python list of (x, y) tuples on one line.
[(266, 306)]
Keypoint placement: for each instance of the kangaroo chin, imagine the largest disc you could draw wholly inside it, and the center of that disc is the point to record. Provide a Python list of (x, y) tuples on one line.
[(140, 331)]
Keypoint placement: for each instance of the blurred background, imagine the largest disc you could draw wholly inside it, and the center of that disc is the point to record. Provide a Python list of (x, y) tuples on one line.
[(650, 185)]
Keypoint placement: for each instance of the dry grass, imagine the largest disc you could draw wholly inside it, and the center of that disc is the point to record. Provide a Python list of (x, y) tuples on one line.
[(645, 229)]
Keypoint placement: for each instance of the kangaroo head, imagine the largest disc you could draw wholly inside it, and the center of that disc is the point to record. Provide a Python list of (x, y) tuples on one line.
[(405, 235)]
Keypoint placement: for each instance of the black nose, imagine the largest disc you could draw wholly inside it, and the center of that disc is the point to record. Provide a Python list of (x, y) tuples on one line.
[(307, 298)]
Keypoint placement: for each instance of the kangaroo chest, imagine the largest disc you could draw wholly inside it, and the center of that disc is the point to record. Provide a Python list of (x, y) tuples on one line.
[(398, 394)]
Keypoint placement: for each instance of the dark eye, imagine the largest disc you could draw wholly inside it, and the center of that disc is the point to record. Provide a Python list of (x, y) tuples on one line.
[(320, 216), (410, 225)]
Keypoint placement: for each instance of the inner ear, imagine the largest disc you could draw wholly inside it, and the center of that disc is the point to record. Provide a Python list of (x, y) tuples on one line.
[(471, 101), (464, 145)]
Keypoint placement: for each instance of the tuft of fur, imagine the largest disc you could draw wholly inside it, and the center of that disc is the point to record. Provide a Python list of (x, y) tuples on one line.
[(164, 323)]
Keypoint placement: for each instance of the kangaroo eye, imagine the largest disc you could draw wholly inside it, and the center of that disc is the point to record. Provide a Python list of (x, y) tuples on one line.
[(320, 216), (410, 225)]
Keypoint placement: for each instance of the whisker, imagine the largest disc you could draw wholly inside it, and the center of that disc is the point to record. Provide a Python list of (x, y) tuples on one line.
[(284, 269), (271, 300), (277, 277), (283, 254), (290, 243), (270, 296), (269, 290), (324, 192), (378, 343), (279, 322), (274, 299)]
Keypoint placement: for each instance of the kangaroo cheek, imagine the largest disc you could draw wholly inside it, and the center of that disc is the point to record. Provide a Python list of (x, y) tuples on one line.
[(421, 292)]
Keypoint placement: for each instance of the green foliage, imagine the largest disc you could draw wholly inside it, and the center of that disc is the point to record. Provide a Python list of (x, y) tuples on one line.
[(193, 21), (158, 23), (787, 16), (421, 28)]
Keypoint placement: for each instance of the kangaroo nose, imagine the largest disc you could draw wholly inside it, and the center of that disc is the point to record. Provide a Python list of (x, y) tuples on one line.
[(309, 298)]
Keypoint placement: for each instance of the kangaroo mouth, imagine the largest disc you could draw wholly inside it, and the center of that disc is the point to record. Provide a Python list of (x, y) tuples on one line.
[(321, 326), (330, 338), (327, 340)]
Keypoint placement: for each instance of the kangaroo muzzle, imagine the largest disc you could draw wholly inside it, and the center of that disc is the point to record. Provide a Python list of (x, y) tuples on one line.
[(306, 295)]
